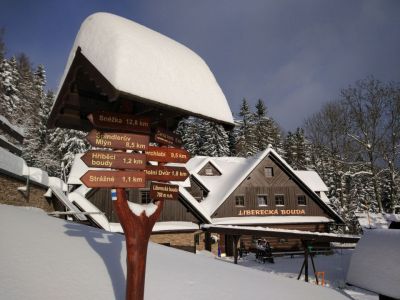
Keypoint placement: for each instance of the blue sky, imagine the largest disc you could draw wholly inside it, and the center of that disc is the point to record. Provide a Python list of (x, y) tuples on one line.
[(295, 55)]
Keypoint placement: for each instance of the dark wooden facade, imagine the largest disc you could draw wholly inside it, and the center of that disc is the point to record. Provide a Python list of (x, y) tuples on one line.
[(258, 184), (172, 211), (209, 170)]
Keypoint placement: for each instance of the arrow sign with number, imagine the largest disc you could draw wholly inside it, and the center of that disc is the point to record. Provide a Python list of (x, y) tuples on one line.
[(118, 140), (114, 160), (162, 154), (109, 120), (166, 137), (161, 173), (163, 191), (114, 179)]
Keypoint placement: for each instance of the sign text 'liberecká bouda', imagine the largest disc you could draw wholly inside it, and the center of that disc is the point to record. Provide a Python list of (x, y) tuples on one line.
[(269, 212)]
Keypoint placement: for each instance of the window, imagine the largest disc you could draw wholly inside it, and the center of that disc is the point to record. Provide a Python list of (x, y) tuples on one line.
[(209, 171), (239, 200), (269, 172), (301, 200), (279, 200), (145, 196), (262, 200)]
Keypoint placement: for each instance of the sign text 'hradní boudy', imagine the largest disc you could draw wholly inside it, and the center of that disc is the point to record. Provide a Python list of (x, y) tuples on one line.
[(114, 160), (114, 179), (110, 120), (118, 140), (163, 191)]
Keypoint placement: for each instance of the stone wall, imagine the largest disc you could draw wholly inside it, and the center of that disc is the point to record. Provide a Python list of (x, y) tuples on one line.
[(10, 195), (185, 241)]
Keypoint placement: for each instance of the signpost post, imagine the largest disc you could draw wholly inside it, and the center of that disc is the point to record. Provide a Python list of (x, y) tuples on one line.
[(130, 170)]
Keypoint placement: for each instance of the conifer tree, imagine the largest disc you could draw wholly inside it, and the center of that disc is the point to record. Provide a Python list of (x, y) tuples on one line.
[(9, 99), (246, 141)]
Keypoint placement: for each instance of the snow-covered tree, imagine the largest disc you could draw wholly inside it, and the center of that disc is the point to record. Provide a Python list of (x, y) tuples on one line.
[(246, 144), (9, 78)]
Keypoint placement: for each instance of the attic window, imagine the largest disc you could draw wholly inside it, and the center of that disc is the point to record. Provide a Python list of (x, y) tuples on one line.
[(262, 200), (279, 200), (239, 200), (301, 200), (269, 172), (209, 171)]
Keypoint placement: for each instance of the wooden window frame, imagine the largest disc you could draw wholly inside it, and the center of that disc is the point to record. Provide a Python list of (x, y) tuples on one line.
[(305, 200), (141, 193), (270, 172), (208, 171), (236, 201), (266, 200), (283, 196)]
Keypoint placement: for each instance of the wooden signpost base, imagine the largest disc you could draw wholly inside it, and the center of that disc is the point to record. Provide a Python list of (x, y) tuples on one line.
[(137, 230)]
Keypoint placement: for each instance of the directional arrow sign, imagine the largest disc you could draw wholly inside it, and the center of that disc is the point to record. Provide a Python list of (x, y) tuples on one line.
[(109, 120), (163, 191), (114, 160), (114, 179), (166, 137), (161, 173), (118, 140), (162, 154)]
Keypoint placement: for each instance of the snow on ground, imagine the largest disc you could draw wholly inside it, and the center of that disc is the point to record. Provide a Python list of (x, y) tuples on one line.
[(335, 267), (47, 258)]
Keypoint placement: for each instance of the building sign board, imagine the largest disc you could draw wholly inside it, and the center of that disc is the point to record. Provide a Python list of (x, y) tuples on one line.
[(114, 179), (114, 160), (110, 120), (163, 191), (166, 137), (269, 212), (163, 154), (161, 173), (118, 140)]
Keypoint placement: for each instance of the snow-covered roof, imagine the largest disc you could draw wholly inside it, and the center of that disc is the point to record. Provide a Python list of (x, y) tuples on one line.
[(271, 220), (88, 263), (375, 262), (12, 163), (376, 220), (235, 170), (160, 227), (313, 180), (14, 128), (135, 59)]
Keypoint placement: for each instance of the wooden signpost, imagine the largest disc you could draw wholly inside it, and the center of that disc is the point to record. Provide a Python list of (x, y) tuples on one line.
[(114, 179), (163, 154), (109, 120), (160, 191), (114, 160), (118, 140), (161, 173), (165, 137), (133, 172)]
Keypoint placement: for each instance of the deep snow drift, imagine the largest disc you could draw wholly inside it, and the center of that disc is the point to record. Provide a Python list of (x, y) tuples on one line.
[(47, 258)]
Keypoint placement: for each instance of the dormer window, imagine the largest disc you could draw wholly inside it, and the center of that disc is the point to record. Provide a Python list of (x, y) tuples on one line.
[(208, 171), (269, 172)]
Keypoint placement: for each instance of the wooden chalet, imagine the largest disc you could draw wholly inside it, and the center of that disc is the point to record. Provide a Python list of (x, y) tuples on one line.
[(257, 191)]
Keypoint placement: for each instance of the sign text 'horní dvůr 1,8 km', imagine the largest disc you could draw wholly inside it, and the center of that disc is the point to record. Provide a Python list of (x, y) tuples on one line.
[(162, 154), (118, 140), (166, 173), (114, 160), (163, 191), (109, 120), (114, 179)]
